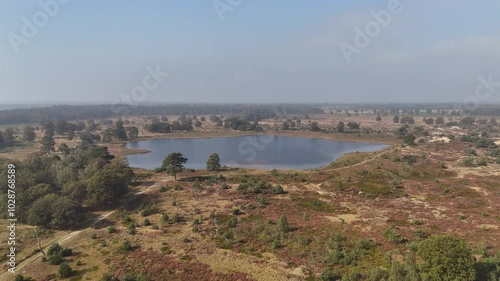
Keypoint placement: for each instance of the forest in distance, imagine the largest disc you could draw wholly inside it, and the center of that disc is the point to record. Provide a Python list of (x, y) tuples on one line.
[(75, 112)]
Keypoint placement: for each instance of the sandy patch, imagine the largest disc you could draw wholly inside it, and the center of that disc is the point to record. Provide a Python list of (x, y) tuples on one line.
[(442, 139), (488, 226), (348, 218), (227, 261)]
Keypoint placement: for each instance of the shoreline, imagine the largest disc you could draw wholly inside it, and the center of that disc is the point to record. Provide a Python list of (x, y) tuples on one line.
[(124, 151)]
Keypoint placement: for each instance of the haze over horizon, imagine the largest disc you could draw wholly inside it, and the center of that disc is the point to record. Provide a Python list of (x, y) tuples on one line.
[(249, 51)]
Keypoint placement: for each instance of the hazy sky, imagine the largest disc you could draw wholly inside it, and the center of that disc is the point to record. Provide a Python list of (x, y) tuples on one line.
[(249, 51)]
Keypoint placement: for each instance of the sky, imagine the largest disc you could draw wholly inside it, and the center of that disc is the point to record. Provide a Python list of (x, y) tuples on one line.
[(242, 51)]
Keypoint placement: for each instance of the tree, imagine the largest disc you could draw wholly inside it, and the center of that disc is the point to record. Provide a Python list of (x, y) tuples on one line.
[(341, 127), (283, 224), (353, 125), (429, 121), (407, 120), (315, 127), (446, 258), (64, 149), (8, 137), (108, 184), (48, 129), (396, 119), (29, 134), (409, 139), (54, 211), (71, 133), (61, 127), (378, 118), (132, 132), (213, 162), (119, 131), (174, 163), (48, 144)]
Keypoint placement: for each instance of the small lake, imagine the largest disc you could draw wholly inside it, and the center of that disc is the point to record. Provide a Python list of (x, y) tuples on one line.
[(258, 152)]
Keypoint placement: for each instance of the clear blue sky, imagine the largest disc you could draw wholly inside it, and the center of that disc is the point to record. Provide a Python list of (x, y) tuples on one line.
[(262, 51)]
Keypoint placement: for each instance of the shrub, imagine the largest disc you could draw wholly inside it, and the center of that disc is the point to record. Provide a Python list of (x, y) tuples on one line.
[(126, 246), (66, 252), (393, 235), (149, 210), (164, 218), (146, 222), (283, 224), (482, 162), (468, 162), (54, 249), (176, 218), (55, 259), (65, 271), (106, 277), (232, 222), (366, 244), (446, 258), (420, 233), (278, 189), (111, 229)]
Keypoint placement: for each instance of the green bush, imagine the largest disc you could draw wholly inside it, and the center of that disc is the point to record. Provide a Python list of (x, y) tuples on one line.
[(393, 235), (446, 258), (149, 210), (126, 246), (54, 249), (65, 271), (66, 252)]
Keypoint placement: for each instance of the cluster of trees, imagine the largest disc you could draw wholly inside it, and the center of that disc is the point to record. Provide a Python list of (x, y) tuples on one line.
[(8, 138), (341, 126), (217, 120), (175, 163), (118, 131), (481, 140), (242, 124), (183, 123), (67, 112), (291, 124), (51, 190)]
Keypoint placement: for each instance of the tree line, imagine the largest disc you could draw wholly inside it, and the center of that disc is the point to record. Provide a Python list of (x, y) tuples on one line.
[(73, 112)]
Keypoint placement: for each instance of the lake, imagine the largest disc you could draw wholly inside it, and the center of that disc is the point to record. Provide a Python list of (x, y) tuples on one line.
[(258, 152)]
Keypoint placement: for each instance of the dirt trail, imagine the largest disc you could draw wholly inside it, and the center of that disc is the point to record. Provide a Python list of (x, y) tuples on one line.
[(72, 234)]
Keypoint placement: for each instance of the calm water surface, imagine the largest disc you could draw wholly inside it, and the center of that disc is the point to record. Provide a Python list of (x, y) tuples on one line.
[(258, 152)]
